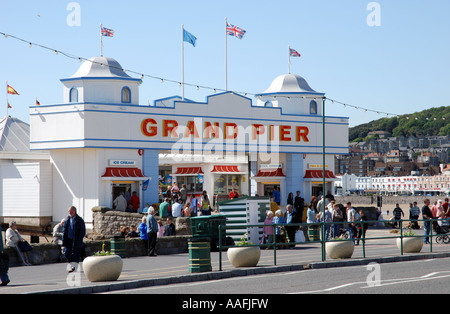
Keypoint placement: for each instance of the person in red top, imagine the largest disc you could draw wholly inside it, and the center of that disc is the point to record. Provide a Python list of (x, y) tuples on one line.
[(233, 194), (135, 201), (445, 205)]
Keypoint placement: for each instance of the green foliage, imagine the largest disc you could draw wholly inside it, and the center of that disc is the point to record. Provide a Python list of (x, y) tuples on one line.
[(430, 122)]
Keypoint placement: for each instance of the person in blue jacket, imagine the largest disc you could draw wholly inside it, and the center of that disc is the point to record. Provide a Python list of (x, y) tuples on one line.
[(74, 231)]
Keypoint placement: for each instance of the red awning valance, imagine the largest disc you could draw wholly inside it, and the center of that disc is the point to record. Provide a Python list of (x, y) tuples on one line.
[(318, 174), (225, 169), (189, 170), (270, 173), (112, 172)]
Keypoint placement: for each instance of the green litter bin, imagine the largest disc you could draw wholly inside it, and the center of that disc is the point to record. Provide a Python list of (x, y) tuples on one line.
[(199, 255), (314, 233), (118, 246), (207, 227)]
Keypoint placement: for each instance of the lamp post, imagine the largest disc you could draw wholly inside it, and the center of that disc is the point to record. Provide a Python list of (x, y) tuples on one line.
[(323, 180)]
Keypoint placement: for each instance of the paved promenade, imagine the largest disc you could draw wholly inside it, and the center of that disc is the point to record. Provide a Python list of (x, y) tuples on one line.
[(171, 269)]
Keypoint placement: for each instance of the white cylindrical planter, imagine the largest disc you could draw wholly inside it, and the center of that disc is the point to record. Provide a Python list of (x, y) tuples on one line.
[(244, 256), (410, 244), (340, 249), (103, 268)]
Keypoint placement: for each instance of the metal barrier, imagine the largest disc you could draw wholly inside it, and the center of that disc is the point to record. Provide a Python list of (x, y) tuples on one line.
[(323, 228)]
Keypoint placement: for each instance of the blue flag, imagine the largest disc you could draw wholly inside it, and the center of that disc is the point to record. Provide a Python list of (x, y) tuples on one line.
[(188, 37), (145, 185)]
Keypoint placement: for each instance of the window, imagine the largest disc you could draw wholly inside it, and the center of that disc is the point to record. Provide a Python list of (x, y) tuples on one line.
[(73, 95), (126, 95), (313, 107), (224, 183), (268, 104)]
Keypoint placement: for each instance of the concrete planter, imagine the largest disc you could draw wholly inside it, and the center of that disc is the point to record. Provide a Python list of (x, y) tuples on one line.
[(340, 249), (410, 244), (244, 256), (103, 268)]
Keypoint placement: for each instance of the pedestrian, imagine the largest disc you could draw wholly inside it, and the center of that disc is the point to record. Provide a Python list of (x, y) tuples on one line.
[(446, 207), (291, 218), (351, 218), (299, 205), (233, 194), (278, 220), (187, 211), (398, 213), (4, 263), (135, 202), (268, 228), (362, 227), (338, 216), (169, 229), (177, 208), (143, 233), (194, 206), (276, 195), (152, 231), (290, 199), (133, 232), (327, 218), (120, 203), (57, 237), (273, 206), (313, 203), (13, 238), (426, 215), (164, 208), (205, 206), (183, 193), (311, 214), (73, 233), (414, 213)]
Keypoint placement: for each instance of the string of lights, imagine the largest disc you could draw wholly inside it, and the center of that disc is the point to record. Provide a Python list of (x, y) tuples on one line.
[(197, 86)]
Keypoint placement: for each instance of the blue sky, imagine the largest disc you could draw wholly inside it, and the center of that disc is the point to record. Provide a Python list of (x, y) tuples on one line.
[(399, 67)]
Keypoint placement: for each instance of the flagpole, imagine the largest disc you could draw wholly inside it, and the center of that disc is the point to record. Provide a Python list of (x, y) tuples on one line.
[(289, 59), (101, 41), (226, 61), (7, 103), (182, 58)]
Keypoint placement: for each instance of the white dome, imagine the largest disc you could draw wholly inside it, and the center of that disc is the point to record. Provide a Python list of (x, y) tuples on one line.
[(289, 83), (101, 67)]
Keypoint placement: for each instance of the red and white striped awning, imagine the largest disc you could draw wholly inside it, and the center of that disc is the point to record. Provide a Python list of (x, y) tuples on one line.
[(262, 173), (123, 173), (318, 174), (232, 169), (188, 171)]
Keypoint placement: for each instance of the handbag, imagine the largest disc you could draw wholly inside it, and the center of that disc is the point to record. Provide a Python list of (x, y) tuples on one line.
[(24, 246), (299, 236)]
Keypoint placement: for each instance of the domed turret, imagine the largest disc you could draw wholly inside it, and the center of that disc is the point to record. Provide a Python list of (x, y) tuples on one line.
[(293, 94), (101, 80)]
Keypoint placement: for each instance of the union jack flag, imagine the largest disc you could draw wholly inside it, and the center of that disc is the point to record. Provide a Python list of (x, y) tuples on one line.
[(235, 31), (107, 32), (294, 53)]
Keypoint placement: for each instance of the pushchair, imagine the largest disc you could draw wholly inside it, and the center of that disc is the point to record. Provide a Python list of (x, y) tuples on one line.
[(442, 228)]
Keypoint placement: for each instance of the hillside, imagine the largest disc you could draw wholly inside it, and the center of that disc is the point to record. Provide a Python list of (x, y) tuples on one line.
[(430, 122)]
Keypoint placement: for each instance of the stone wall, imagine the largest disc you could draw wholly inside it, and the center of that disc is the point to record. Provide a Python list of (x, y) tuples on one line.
[(108, 222), (51, 253)]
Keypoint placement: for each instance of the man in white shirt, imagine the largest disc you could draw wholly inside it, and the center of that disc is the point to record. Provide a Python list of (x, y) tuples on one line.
[(121, 202), (177, 208), (351, 217)]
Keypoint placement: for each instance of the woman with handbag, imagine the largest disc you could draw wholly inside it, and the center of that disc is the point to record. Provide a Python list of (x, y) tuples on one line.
[(15, 240)]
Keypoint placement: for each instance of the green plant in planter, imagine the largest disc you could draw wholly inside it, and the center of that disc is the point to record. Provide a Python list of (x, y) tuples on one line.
[(103, 252), (409, 233), (244, 241)]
